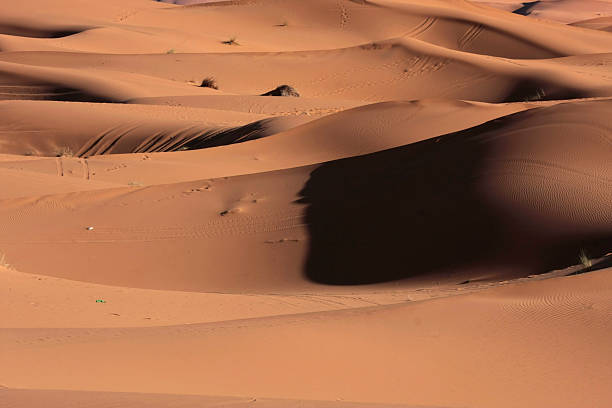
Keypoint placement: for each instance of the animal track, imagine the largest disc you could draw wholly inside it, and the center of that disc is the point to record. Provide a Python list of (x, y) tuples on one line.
[(421, 27), (470, 35), (85, 165), (60, 166), (344, 14)]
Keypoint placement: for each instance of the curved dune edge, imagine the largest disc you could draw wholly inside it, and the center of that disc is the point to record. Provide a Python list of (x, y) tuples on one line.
[(528, 205), (39, 301), (67, 398), (113, 129), (599, 23), (569, 11), (321, 140), (391, 69)]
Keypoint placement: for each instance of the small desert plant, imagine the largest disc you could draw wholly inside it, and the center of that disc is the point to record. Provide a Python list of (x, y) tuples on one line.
[(63, 151), (231, 41), (209, 82), (539, 95), (3, 261), (283, 90), (170, 51), (584, 259)]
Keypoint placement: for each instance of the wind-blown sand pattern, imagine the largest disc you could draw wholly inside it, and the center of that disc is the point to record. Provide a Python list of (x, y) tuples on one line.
[(429, 224)]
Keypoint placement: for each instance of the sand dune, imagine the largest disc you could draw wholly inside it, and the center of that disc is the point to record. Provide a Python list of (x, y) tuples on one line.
[(362, 350), (322, 140), (396, 69), (61, 398), (531, 192), (131, 130), (429, 224), (600, 23)]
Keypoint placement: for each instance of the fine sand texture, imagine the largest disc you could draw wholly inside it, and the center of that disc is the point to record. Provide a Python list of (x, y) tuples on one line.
[(289, 203)]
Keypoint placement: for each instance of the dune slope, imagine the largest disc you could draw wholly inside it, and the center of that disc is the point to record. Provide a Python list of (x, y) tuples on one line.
[(428, 224)]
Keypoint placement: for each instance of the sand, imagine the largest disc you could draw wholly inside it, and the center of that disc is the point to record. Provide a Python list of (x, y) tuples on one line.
[(429, 224)]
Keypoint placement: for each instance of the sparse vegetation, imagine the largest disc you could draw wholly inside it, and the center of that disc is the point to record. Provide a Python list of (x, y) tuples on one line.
[(283, 90), (539, 95), (585, 260), (3, 261), (231, 41), (63, 151), (170, 51), (209, 82)]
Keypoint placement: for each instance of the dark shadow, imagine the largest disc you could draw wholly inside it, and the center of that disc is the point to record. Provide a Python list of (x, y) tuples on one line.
[(528, 90), (212, 138), (171, 140), (71, 95), (602, 264), (419, 209), (251, 131), (46, 92), (527, 8), (283, 90), (598, 264), (31, 32)]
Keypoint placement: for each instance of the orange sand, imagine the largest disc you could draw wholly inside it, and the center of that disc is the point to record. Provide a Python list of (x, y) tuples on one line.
[(428, 225)]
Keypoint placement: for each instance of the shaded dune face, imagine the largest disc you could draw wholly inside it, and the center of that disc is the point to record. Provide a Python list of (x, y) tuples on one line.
[(143, 139), (565, 11), (528, 89), (17, 87), (601, 23), (32, 31), (522, 192)]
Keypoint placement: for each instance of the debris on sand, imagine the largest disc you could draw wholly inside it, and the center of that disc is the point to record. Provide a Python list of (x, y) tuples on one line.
[(283, 90), (209, 82)]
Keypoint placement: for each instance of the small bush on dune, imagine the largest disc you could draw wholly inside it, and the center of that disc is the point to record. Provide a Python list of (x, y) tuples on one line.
[(231, 41), (283, 90), (209, 82), (3, 261), (538, 95), (63, 151), (585, 260)]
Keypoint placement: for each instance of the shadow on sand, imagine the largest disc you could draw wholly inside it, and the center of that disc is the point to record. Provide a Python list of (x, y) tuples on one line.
[(423, 208)]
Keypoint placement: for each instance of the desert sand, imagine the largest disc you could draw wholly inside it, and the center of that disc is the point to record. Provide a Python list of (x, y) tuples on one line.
[(429, 224)]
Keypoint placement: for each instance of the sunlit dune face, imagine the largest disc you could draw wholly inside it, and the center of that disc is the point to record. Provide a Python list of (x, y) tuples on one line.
[(290, 203)]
